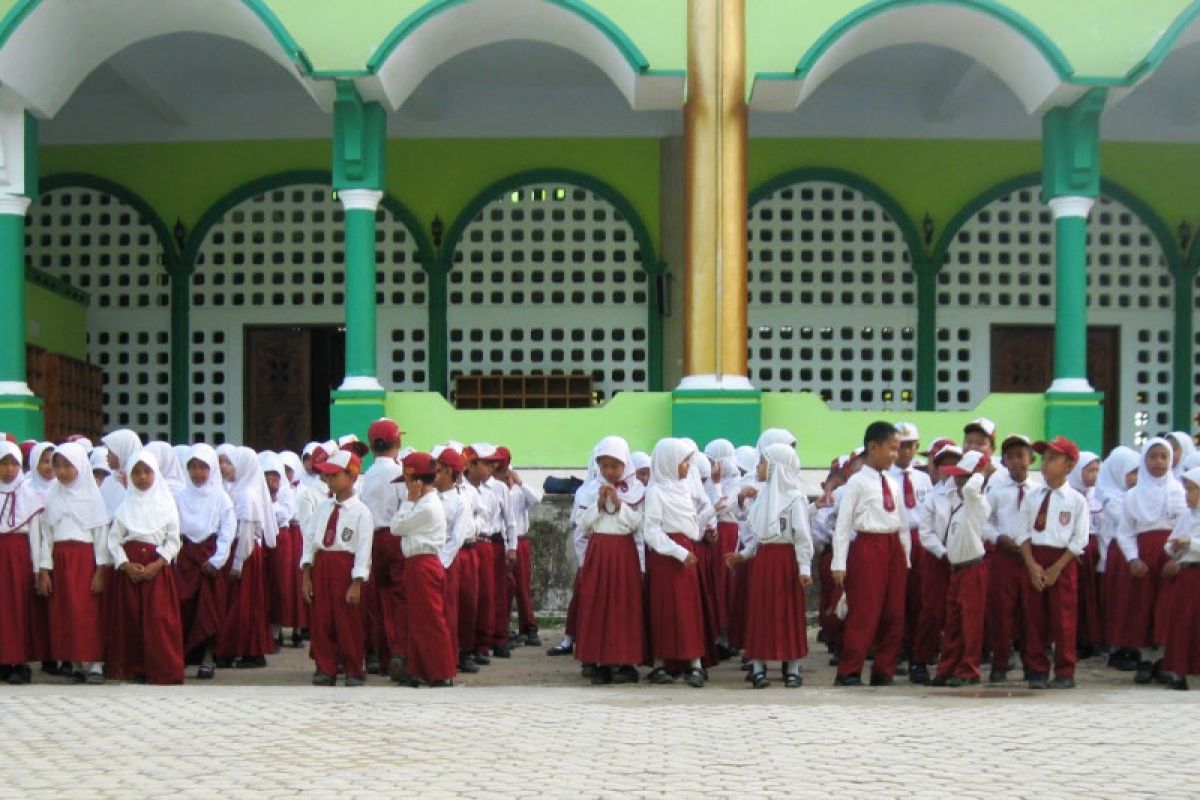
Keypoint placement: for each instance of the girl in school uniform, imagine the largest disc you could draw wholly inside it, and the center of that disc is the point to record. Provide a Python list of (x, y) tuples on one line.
[(145, 640), (1149, 514), (1181, 648), (579, 544), (699, 477), (1091, 632), (98, 459), (73, 564), (19, 506), (641, 465), (611, 626), (122, 446), (1118, 473), (1182, 448), (724, 487), (246, 633), (207, 525), (671, 530), (39, 479), (287, 600), (781, 546)]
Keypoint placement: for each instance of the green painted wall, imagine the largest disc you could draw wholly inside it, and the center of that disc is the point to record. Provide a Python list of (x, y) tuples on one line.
[(55, 323), (182, 180)]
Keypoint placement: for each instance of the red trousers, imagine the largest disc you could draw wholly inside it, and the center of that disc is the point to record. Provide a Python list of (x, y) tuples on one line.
[(1091, 627), (335, 626), (1006, 575), (521, 580), (145, 637), (935, 584), (485, 559), (962, 639), (912, 593), (201, 597), (383, 598), (76, 616), (245, 632), (1050, 617), (1138, 613), (1181, 650), (431, 656), (876, 582), (501, 604), (831, 595), (468, 597), (16, 599), (450, 594)]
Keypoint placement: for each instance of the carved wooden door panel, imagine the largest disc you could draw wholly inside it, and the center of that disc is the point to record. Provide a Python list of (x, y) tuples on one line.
[(278, 404)]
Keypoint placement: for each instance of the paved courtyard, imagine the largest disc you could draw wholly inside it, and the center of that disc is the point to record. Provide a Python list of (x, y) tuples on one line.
[(530, 727)]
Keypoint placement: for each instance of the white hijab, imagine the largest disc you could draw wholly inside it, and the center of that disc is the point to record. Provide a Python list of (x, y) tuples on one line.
[(1155, 498), (124, 444), (1111, 483), (641, 460), (775, 436), (19, 503), (723, 452), (201, 507), (39, 485), (285, 498), (674, 495), (80, 499), (250, 495), (1076, 480), (1187, 447), (151, 511), (168, 466), (629, 489), (747, 459), (782, 488), (293, 462)]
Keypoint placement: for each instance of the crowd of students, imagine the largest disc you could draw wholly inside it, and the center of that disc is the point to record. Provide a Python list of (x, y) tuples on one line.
[(127, 561)]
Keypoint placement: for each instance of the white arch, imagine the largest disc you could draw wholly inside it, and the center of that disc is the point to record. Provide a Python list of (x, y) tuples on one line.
[(58, 44), (1019, 63), (482, 22)]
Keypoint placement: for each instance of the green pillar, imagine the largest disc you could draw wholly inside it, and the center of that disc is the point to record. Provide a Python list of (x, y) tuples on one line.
[(20, 410), (361, 367), (1070, 186)]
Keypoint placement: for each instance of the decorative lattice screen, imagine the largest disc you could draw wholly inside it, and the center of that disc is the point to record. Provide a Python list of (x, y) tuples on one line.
[(548, 279), (832, 298), (96, 242), (1000, 270), (277, 258)]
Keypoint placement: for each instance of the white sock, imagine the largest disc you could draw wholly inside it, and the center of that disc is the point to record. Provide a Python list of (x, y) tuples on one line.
[(207, 659), (97, 668), (695, 663), (568, 640), (758, 666), (276, 630), (792, 667), (77, 666)]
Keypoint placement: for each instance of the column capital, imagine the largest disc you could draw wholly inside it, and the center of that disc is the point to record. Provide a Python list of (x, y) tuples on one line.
[(1071, 206), (14, 204), (360, 199), (1071, 147)]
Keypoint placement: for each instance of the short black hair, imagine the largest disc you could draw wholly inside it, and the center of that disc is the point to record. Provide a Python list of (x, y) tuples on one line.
[(879, 433), (426, 479), (381, 446)]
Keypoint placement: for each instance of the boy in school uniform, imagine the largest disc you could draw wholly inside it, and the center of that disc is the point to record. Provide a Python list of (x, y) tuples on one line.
[(460, 527), (502, 541), (336, 563), (966, 514), (935, 582), (871, 560), (914, 486), (521, 498), (383, 594), (1052, 535)]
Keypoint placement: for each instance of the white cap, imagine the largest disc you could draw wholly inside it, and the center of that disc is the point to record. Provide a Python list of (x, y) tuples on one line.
[(340, 460), (349, 438), (981, 423), (483, 450), (948, 450), (967, 464), (908, 432)]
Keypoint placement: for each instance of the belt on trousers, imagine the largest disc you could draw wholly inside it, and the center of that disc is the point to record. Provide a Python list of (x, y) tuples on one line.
[(468, 546), (965, 564), (496, 538)]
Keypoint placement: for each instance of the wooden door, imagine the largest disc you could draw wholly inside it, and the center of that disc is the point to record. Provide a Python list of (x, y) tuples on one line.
[(278, 404), (1023, 361)]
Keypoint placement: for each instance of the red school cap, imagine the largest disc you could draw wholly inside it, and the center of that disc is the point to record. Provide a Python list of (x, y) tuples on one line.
[(384, 429), (502, 456), (1059, 444), (420, 464), (451, 458), (341, 460)]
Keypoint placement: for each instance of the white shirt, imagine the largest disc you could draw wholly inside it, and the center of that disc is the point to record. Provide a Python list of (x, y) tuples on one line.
[(1110, 522), (421, 525), (1066, 519), (194, 520), (308, 497), (969, 514), (67, 530), (460, 525), (921, 487), (1006, 515), (822, 521), (652, 529), (354, 533), (860, 508), (521, 498), (793, 530), (1130, 528), (625, 522), (166, 541), (1188, 528), (380, 495), (479, 505)]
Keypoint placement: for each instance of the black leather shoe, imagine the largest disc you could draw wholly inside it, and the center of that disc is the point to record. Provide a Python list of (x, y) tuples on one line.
[(1037, 680), (1062, 683), (373, 667), (444, 684), (694, 678), (561, 649), (297, 638), (500, 651), (467, 664), (938, 681), (847, 680), (483, 659), (1179, 684), (660, 676), (918, 674), (223, 662), (1144, 674), (759, 680), (533, 640), (255, 662), (998, 676), (883, 680), (602, 676), (626, 674), (1123, 660), (793, 681), (321, 679), (206, 672)]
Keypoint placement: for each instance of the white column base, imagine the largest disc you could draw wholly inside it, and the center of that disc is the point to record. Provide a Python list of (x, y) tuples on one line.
[(1071, 206), (713, 382), (15, 388), (360, 383), (1071, 386), (360, 199)]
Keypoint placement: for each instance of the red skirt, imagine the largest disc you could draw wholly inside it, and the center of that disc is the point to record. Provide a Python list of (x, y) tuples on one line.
[(1138, 613), (146, 638), (288, 608), (674, 606), (737, 606), (430, 655), (202, 598), (77, 615), (611, 626), (16, 599), (245, 632), (1181, 653), (722, 576), (776, 625), (1090, 631)]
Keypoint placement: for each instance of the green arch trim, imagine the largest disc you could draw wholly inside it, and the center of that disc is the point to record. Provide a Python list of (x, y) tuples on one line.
[(651, 265), (279, 180), (287, 43), (852, 180), (633, 55), (1033, 34), (64, 180)]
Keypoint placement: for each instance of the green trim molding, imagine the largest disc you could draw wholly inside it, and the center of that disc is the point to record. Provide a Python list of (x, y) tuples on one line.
[(1071, 148), (21, 415), (67, 180), (359, 141)]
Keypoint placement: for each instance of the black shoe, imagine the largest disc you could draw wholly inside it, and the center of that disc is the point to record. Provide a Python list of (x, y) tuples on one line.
[(21, 674), (256, 662), (206, 672), (883, 680), (97, 679), (725, 652), (958, 683), (5, 671), (373, 667), (279, 641), (588, 670), (938, 681), (694, 678), (561, 649), (321, 679), (1161, 675), (998, 676), (658, 675), (65, 670), (297, 638), (793, 681), (602, 676), (1123, 660), (833, 660), (1062, 683), (352, 681), (1144, 674), (626, 674), (442, 684), (50, 667), (467, 664), (500, 651), (1179, 684), (223, 662), (1037, 680), (482, 659), (759, 680), (918, 674), (533, 640), (396, 669), (822, 636), (847, 680)]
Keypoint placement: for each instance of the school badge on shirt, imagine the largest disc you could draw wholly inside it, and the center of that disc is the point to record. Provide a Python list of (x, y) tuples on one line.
[(1064, 518), (347, 534)]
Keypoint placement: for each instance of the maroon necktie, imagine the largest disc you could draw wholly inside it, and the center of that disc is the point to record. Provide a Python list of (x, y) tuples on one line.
[(331, 528), (1020, 493), (1039, 524), (889, 502), (910, 495)]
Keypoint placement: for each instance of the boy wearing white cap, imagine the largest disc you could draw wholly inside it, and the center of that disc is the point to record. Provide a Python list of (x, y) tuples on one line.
[(914, 486)]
